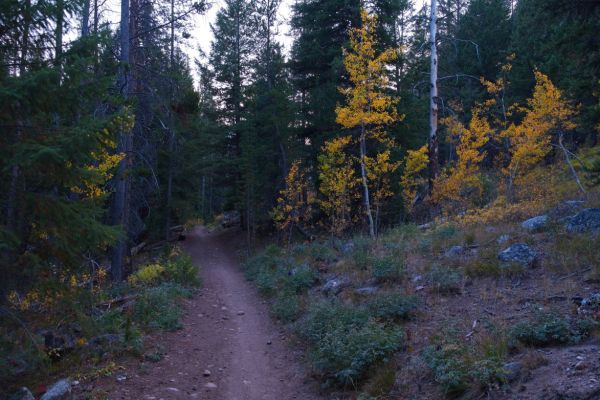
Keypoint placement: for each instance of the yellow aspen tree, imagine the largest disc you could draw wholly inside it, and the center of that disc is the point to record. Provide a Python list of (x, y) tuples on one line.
[(413, 179), (337, 183), (463, 180), (379, 170), (367, 104), (293, 203), (530, 141)]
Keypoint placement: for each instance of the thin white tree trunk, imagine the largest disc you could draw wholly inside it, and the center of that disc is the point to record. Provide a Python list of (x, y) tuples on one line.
[(433, 98), (363, 172)]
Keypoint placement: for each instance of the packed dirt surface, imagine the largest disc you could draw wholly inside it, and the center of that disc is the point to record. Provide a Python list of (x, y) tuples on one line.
[(228, 348)]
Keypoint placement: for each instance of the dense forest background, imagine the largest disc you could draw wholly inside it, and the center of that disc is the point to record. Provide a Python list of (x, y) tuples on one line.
[(107, 142)]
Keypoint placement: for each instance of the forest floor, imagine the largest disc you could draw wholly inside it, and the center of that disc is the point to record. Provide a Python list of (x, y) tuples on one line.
[(229, 348)]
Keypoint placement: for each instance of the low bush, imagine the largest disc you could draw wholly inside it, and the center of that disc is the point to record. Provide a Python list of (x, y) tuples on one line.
[(345, 343), (549, 328), (392, 306), (158, 308), (147, 275), (445, 280), (286, 307), (267, 260), (387, 269), (299, 279), (182, 271), (361, 252), (458, 366), (178, 269)]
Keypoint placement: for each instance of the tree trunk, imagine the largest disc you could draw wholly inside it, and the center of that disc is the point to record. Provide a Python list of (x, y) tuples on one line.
[(171, 138), (571, 168), (363, 172), (433, 100), (60, 10), (120, 206), (85, 19)]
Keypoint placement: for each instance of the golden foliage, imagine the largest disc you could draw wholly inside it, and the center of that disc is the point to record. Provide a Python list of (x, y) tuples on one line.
[(412, 181), (367, 102), (337, 183), (463, 181), (294, 202), (379, 169), (530, 141)]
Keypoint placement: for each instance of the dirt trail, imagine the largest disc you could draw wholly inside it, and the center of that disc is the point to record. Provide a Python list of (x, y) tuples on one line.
[(227, 330)]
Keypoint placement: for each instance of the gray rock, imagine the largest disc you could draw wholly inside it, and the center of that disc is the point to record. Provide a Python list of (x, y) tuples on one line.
[(61, 390), (455, 251), (536, 223), (587, 220), (22, 394), (336, 285), (512, 371), (519, 253), (230, 219), (590, 304), (503, 239), (367, 290), (347, 248)]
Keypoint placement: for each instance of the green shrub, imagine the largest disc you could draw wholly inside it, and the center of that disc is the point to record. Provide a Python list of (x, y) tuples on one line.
[(286, 307), (402, 233), (549, 327), (458, 366), (266, 282), (446, 231), (299, 279), (157, 308), (361, 252), (326, 315), (345, 343), (345, 355), (484, 268), (392, 306), (269, 259), (322, 252), (449, 367), (387, 269), (445, 280), (182, 271)]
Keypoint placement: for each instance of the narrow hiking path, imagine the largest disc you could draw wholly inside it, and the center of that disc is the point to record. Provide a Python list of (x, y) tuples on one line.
[(227, 331)]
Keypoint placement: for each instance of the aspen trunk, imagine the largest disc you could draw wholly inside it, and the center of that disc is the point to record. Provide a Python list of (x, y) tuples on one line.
[(433, 99), (363, 172)]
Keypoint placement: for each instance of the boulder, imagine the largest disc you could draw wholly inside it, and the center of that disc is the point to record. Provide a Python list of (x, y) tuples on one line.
[(519, 253), (231, 219), (512, 371), (587, 220), (61, 390), (336, 285), (536, 223), (347, 248)]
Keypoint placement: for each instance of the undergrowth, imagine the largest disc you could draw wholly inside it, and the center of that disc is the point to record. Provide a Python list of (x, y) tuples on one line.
[(70, 320)]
